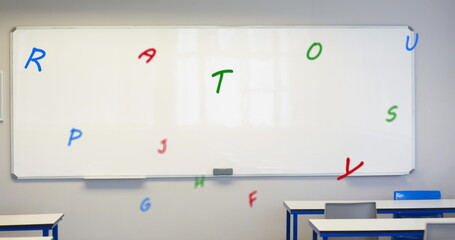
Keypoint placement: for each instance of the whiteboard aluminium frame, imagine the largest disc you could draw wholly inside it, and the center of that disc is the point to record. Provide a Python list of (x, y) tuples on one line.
[(412, 90)]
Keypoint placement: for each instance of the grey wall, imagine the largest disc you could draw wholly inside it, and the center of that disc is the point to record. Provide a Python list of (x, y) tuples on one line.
[(220, 210)]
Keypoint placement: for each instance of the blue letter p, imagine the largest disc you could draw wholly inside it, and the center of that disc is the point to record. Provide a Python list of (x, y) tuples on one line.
[(75, 134)]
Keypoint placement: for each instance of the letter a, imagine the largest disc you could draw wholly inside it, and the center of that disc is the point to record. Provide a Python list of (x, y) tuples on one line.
[(35, 59), (148, 54)]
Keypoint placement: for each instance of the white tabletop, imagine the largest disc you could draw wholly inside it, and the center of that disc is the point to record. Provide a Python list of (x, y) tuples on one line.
[(380, 204), (374, 225), (32, 220)]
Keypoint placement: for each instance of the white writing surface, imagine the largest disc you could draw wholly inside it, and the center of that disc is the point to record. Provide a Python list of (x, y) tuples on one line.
[(182, 101)]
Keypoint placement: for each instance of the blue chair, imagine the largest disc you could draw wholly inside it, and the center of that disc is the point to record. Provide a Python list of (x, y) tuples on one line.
[(416, 195)]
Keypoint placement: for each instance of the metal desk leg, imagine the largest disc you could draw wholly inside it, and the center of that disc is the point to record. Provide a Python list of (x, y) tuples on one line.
[(315, 236), (46, 233), (295, 223), (288, 225), (55, 232)]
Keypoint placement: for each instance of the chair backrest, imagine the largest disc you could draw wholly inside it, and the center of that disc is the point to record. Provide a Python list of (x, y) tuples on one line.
[(417, 195), (351, 210), (440, 231)]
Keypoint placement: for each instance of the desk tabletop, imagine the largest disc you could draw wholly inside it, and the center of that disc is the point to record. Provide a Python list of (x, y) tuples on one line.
[(30, 220), (381, 205), (374, 225)]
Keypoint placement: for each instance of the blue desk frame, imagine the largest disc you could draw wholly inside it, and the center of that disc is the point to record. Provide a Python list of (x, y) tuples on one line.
[(295, 213), (325, 236), (45, 230)]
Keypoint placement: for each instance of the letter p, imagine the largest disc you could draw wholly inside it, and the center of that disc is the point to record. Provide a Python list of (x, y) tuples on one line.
[(75, 134), (34, 59)]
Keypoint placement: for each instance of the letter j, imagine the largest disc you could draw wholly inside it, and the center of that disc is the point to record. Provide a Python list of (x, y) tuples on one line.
[(75, 134)]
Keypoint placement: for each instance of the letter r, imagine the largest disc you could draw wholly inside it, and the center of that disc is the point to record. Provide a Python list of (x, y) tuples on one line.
[(35, 59)]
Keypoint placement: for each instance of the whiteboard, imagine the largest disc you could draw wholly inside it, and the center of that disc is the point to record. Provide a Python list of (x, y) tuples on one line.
[(140, 102)]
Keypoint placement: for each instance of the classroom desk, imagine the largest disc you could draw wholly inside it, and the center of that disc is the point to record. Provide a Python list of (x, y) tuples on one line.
[(326, 228), (296, 208), (34, 222)]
